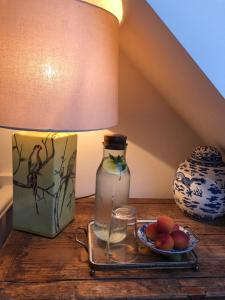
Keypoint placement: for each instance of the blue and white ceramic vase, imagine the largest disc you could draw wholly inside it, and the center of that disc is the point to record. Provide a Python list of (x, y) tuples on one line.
[(199, 184)]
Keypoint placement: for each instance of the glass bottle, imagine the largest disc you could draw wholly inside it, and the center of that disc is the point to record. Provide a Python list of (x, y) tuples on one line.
[(112, 183)]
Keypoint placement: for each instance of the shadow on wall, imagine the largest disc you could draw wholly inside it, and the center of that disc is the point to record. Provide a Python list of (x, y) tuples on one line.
[(149, 121)]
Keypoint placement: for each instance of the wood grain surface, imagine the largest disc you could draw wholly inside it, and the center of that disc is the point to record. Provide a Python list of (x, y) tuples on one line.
[(34, 267)]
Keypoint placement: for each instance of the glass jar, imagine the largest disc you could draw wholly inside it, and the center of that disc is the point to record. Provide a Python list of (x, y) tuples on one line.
[(122, 242), (112, 183)]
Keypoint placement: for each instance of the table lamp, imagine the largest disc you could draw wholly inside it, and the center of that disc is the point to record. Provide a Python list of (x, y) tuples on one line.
[(58, 75)]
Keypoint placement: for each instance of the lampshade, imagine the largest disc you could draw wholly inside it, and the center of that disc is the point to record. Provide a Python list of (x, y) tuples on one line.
[(58, 65)]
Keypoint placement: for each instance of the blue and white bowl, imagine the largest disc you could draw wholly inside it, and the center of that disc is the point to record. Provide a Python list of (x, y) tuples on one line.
[(199, 184), (149, 243)]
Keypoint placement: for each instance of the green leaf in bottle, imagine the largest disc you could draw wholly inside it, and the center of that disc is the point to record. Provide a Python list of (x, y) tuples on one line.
[(115, 164)]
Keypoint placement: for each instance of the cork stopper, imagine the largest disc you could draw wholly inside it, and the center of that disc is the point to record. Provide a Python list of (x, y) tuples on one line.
[(115, 142)]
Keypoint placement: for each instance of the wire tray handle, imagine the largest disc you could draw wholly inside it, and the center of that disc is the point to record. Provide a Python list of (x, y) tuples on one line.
[(81, 236)]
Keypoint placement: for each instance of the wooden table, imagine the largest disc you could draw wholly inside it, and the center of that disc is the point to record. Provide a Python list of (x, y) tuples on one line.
[(33, 267)]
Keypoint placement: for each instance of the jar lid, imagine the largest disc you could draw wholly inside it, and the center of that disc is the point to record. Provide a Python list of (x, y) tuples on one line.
[(207, 155), (115, 142)]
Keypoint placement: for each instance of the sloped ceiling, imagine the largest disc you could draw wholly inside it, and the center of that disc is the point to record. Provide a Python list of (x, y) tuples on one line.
[(146, 40), (199, 27)]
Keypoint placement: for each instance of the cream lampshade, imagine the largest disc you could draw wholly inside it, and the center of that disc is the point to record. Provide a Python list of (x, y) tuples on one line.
[(58, 72), (58, 65)]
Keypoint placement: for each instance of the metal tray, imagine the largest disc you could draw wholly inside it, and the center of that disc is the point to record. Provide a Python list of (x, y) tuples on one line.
[(145, 260)]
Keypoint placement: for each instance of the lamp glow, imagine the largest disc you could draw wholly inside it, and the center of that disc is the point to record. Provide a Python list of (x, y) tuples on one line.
[(48, 71), (115, 7)]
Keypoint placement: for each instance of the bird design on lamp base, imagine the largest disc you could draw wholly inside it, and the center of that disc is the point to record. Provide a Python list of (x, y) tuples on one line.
[(35, 165), (44, 167)]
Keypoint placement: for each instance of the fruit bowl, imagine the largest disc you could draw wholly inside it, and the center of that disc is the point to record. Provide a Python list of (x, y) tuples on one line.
[(149, 243)]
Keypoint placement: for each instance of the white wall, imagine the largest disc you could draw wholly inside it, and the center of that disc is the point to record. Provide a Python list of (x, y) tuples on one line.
[(158, 140)]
